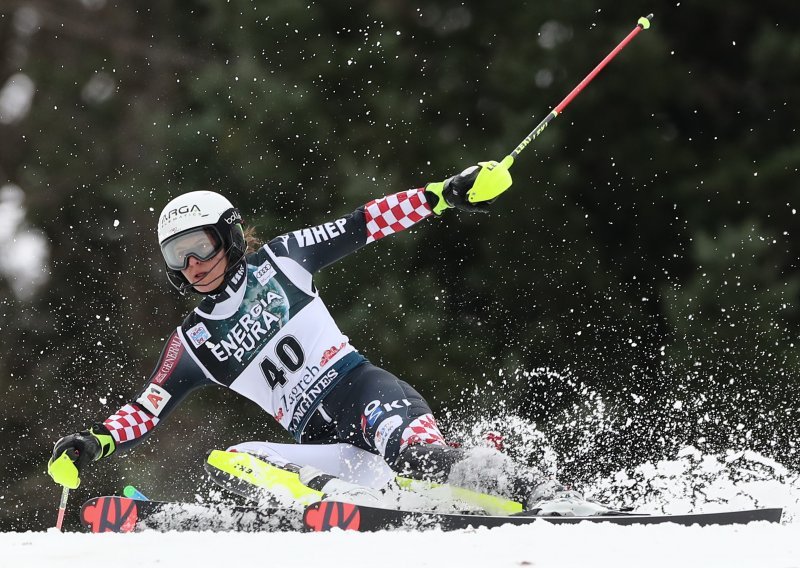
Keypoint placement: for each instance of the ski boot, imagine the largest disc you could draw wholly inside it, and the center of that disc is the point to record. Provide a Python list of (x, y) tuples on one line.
[(336, 489), (553, 499)]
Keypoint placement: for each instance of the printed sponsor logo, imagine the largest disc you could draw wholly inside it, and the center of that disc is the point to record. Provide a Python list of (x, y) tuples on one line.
[(154, 399), (171, 355), (299, 390), (374, 410), (320, 233), (238, 276), (384, 432), (173, 214), (264, 273), (279, 414), (198, 334), (234, 217), (244, 468), (309, 396), (330, 354), (245, 335)]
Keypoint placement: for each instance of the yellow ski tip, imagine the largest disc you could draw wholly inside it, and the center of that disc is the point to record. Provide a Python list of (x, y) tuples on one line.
[(259, 473)]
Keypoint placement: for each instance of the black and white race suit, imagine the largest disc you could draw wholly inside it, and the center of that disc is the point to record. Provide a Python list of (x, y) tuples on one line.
[(269, 337)]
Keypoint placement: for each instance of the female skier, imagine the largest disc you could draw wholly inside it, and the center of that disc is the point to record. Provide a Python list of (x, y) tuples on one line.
[(262, 330)]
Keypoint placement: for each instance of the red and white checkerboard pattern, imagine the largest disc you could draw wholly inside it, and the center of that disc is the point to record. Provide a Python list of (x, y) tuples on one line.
[(395, 212), (423, 430), (129, 423)]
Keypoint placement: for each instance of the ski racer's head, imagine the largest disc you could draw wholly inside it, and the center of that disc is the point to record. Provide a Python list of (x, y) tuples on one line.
[(201, 238)]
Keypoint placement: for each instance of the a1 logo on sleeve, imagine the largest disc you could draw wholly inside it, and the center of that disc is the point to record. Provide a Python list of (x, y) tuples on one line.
[(154, 399)]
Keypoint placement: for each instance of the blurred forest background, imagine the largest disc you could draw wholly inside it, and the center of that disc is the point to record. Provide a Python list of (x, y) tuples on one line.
[(637, 290)]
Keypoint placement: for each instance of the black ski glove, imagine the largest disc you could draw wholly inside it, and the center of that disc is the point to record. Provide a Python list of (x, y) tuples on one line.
[(71, 453)]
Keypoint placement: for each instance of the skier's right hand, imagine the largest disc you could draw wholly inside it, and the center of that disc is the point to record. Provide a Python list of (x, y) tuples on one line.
[(71, 453)]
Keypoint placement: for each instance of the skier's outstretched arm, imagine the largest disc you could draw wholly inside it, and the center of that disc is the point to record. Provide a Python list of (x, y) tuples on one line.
[(315, 248), (174, 377)]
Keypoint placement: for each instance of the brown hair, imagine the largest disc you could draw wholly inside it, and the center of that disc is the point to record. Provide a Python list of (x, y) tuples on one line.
[(251, 240)]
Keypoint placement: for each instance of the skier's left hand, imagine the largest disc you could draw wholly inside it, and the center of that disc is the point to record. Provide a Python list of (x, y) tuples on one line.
[(474, 189)]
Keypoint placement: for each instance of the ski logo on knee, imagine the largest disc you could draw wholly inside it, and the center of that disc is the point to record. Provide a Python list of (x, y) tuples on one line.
[(374, 410)]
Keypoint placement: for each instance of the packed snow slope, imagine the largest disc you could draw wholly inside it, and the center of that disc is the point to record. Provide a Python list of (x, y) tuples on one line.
[(541, 545), (691, 482)]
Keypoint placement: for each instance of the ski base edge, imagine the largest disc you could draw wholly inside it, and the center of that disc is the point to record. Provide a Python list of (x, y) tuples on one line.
[(122, 514), (327, 515)]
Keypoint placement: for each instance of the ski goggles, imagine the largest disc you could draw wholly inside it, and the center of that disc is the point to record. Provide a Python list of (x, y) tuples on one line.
[(202, 243)]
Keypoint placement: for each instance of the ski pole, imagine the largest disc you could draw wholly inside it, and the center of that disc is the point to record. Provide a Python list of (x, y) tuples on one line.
[(62, 507), (642, 24), (497, 178)]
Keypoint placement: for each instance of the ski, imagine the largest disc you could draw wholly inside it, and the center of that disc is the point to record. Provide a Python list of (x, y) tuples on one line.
[(120, 514), (260, 482), (326, 515)]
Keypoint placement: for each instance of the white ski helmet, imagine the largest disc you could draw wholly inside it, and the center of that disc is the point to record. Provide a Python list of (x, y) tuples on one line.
[(200, 211)]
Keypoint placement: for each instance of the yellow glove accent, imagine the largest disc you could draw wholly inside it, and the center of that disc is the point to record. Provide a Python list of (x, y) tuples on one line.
[(436, 189), (64, 472), (492, 180), (107, 445)]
